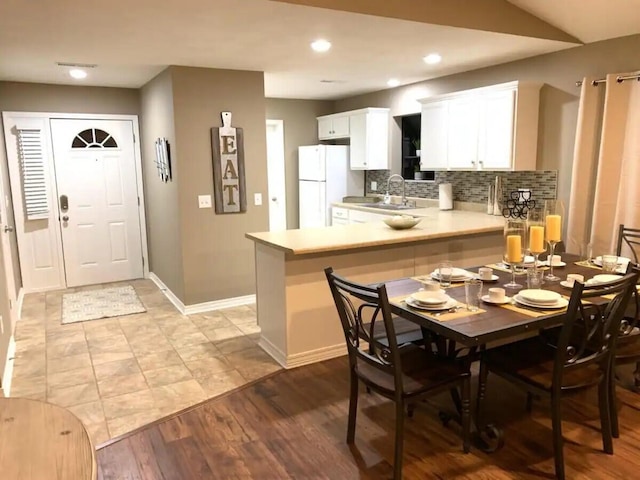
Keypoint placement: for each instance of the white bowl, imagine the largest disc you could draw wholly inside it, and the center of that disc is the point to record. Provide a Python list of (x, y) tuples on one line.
[(402, 222)]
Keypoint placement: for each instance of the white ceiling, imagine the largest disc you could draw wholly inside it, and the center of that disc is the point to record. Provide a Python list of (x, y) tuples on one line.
[(131, 41)]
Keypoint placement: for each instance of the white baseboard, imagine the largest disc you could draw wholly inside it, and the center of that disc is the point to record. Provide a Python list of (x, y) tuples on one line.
[(167, 292), (8, 368), (200, 307), (19, 302), (304, 358)]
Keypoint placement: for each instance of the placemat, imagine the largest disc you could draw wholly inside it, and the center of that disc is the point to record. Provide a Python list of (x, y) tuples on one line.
[(588, 264), (442, 317), (528, 312)]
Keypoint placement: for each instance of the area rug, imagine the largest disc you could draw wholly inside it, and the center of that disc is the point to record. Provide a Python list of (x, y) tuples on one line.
[(103, 303)]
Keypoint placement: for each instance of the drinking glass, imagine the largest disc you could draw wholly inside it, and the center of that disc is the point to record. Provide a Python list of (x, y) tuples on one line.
[(535, 229), (534, 278), (609, 263), (554, 216), (445, 269), (515, 234), (473, 292)]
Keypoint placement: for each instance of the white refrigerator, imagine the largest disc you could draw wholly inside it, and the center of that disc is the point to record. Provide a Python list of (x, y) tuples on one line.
[(324, 178)]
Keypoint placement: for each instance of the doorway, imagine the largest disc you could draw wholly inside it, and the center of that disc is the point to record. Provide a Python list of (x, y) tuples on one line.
[(88, 226), (276, 176)]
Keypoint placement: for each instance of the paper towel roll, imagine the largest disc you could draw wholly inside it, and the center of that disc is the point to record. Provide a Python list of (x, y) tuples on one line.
[(445, 195)]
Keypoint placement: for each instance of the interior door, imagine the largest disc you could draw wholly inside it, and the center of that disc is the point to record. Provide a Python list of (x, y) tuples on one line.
[(97, 200), (276, 175)]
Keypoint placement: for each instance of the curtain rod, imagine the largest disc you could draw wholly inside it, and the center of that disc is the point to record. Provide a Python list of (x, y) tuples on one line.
[(619, 79)]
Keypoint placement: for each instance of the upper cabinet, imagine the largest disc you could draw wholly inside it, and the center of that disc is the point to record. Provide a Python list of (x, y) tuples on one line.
[(489, 128), (333, 126), (368, 133)]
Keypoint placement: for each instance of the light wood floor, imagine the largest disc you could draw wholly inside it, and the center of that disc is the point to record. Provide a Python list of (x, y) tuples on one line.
[(293, 424)]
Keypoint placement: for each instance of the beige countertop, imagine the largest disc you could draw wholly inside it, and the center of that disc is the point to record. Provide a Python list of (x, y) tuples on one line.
[(435, 224)]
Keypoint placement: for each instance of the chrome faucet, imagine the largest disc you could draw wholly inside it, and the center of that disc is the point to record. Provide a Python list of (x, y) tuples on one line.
[(387, 197)]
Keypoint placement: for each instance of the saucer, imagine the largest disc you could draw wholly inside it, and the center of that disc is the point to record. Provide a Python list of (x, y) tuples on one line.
[(494, 278), (486, 299), (545, 263), (561, 303)]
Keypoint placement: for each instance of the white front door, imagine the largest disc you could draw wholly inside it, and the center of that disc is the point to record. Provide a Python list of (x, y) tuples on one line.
[(276, 175), (97, 200)]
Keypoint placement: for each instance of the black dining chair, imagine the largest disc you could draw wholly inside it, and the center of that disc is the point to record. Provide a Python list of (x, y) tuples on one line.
[(579, 358), (629, 238), (404, 373)]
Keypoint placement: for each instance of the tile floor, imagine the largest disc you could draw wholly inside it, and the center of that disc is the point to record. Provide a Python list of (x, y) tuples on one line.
[(119, 373)]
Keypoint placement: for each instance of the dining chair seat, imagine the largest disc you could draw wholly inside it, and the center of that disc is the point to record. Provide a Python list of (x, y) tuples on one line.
[(421, 372), (532, 361)]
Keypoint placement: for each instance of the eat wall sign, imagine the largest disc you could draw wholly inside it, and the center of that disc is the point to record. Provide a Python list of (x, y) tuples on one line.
[(228, 167)]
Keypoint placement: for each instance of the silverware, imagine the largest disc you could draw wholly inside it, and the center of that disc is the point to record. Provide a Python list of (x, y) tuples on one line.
[(451, 310)]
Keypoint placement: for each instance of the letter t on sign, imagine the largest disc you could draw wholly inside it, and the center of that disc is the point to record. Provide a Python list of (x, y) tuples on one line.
[(227, 144)]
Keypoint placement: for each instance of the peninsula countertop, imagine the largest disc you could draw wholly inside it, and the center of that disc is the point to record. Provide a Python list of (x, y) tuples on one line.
[(435, 224)]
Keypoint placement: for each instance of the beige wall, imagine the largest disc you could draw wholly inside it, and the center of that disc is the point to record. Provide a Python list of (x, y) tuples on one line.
[(161, 199), (558, 100), (218, 260), (300, 128), (37, 97)]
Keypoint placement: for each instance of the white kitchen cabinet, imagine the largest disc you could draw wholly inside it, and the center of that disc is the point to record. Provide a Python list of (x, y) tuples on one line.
[(433, 136), (369, 139), (462, 133), (489, 128), (339, 216), (333, 126), (359, 216)]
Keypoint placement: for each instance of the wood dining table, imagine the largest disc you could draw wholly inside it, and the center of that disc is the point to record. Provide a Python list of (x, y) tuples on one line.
[(491, 323), (470, 332)]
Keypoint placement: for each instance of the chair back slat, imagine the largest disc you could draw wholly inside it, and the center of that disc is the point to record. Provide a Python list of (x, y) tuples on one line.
[(630, 239), (360, 305), (590, 328)]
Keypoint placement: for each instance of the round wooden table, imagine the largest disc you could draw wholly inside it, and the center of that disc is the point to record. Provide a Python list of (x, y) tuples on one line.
[(39, 440)]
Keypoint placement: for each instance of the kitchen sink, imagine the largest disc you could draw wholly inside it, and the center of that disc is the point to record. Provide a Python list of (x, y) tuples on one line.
[(387, 206)]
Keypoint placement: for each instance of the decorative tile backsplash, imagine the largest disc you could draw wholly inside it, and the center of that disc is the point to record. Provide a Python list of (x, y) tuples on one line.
[(470, 186)]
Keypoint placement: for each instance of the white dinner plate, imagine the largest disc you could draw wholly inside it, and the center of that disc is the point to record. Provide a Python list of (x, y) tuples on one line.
[(494, 278), (485, 298), (458, 275), (566, 284), (603, 278), (538, 296), (449, 304), (622, 263), (430, 298), (561, 303)]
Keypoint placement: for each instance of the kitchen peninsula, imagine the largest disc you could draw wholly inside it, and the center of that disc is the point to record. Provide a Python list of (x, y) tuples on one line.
[(295, 310)]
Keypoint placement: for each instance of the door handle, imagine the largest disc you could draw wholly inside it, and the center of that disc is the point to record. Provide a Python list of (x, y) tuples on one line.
[(274, 199), (8, 228), (64, 203), (65, 218)]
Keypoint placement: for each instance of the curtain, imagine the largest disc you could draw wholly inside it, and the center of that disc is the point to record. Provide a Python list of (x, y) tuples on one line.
[(606, 165)]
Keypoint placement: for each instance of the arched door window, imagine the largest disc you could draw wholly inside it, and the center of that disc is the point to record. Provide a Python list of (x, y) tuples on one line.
[(94, 138)]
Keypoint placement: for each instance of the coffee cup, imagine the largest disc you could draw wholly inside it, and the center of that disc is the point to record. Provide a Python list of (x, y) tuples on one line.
[(554, 260), (574, 277), (485, 273), (496, 294), (430, 285)]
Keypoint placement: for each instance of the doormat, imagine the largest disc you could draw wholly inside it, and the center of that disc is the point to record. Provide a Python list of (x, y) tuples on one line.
[(103, 303)]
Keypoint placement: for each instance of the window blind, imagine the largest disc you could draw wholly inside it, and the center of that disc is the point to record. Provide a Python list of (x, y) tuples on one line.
[(34, 178)]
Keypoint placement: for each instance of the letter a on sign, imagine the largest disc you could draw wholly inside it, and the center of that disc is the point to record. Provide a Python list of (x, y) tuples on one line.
[(228, 167)]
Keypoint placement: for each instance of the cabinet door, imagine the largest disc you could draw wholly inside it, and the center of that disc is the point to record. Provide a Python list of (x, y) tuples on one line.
[(462, 139), (496, 130), (358, 149), (340, 127), (339, 221), (433, 136), (324, 128)]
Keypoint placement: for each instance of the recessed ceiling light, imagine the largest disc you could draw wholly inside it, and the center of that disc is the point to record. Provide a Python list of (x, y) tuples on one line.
[(394, 82), (78, 73), (432, 58), (321, 45)]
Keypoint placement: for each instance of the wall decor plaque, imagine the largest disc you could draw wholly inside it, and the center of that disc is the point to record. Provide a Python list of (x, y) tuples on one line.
[(228, 167)]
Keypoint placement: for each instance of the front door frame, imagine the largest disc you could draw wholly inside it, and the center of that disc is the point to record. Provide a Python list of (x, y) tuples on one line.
[(48, 116)]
